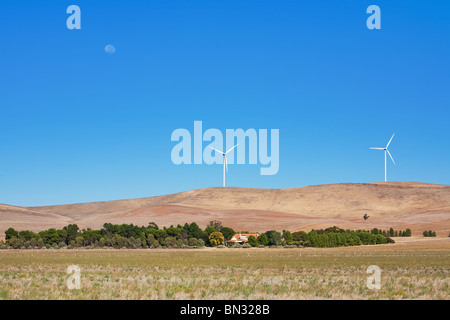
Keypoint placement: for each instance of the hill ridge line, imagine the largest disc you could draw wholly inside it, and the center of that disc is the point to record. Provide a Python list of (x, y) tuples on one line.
[(419, 206)]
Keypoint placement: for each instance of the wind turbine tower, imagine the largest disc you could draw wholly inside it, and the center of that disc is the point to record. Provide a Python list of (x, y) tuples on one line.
[(225, 163), (386, 152)]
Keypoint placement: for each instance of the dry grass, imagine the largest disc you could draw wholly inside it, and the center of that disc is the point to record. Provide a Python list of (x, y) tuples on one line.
[(339, 273)]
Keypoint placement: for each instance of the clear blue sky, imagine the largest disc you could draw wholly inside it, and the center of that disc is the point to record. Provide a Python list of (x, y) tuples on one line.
[(78, 124)]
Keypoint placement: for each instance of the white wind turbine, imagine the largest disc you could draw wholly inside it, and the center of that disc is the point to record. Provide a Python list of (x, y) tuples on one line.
[(225, 164), (386, 151)]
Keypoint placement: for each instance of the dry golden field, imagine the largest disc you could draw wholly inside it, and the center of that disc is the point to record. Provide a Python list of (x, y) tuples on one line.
[(413, 268)]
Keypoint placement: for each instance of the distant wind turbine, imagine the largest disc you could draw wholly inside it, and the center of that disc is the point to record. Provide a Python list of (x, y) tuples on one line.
[(225, 164), (386, 151)]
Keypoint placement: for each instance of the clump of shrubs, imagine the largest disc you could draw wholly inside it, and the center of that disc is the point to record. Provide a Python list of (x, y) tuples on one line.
[(429, 233), (200, 243)]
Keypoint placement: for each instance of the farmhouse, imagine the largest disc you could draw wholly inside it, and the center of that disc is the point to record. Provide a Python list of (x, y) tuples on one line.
[(241, 237)]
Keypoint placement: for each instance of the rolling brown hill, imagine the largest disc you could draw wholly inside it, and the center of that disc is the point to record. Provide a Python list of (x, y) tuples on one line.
[(400, 205)]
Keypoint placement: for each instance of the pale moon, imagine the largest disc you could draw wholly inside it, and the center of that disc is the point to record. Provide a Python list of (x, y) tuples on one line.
[(110, 49)]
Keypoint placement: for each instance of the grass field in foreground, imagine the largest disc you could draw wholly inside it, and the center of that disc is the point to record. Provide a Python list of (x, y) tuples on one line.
[(407, 272)]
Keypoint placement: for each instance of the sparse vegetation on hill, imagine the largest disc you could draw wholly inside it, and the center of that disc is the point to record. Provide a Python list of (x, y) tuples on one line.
[(189, 235)]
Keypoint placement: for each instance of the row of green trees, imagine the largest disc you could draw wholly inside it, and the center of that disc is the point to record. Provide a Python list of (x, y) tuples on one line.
[(375, 231), (392, 233), (188, 235), (118, 236), (335, 237)]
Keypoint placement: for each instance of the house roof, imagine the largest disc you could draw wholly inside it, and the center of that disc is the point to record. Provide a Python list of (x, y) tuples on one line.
[(242, 237)]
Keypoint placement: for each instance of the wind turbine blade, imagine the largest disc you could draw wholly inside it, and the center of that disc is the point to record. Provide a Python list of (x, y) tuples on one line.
[(377, 148), (390, 156), (226, 162), (231, 149), (216, 150), (390, 141)]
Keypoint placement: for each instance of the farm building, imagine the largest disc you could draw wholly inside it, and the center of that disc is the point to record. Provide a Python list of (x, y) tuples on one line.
[(241, 237)]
